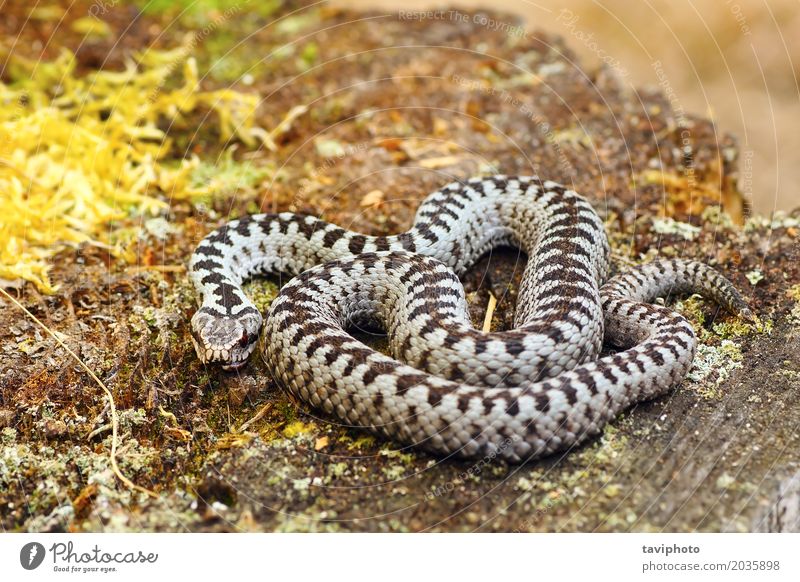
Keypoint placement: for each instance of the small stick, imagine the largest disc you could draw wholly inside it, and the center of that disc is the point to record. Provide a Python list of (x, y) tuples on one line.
[(159, 268), (487, 320), (259, 415)]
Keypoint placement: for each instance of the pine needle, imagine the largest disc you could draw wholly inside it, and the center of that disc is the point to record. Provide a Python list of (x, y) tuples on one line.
[(259, 415), (487, 320)]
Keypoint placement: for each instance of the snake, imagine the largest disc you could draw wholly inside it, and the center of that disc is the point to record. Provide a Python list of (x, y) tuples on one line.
[(446, 387)]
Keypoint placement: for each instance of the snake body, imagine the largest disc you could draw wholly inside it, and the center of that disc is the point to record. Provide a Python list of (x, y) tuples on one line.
[(515, 394)]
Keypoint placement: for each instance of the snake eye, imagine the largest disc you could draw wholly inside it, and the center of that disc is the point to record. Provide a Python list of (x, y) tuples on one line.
[(243, 341)]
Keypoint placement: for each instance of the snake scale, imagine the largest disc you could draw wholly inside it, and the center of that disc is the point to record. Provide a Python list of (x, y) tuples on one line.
[(448, 388)]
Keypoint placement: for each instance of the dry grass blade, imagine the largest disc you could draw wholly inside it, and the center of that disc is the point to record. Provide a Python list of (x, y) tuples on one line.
[(487, 320)]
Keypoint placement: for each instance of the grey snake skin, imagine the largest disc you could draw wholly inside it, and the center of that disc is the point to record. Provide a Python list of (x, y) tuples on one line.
[(518, 394)]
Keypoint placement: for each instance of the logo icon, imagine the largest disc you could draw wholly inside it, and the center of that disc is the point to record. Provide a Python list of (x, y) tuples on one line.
[(31, 555)]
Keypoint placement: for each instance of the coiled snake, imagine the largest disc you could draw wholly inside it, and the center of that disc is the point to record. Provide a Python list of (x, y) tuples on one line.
[(518, 394)]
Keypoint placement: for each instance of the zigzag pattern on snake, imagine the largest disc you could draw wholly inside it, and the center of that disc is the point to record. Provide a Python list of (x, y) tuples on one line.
[(517, 394)]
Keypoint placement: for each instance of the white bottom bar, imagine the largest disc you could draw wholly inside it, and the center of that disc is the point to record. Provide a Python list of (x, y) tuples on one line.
[(354, 557)]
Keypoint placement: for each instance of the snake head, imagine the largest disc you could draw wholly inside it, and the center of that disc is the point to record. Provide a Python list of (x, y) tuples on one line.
[(225, 339)]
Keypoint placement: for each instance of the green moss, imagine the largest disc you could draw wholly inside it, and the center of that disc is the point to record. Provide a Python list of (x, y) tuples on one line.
[(287, 411), (147, 314), (394, 472), (778, 219), (226, 176), (360, 442), (193, 12), (692, 309), (294, 25), (261, 292), (337, 470), (738, 327), (717, 216), (298, 428), (405, 458), (7, 436), (308, 56), (62, 471)]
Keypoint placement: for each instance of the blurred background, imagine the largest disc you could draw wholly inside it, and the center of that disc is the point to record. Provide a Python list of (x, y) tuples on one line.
[(734, 61)]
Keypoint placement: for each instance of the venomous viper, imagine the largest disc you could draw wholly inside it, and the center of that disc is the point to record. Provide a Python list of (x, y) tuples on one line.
[(518, 394)]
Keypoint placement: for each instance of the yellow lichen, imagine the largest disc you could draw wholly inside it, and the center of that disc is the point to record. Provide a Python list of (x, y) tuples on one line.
[(77, 152), (692, 309), (360, 442), (739, 327), (297, 428)]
